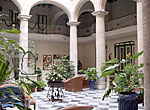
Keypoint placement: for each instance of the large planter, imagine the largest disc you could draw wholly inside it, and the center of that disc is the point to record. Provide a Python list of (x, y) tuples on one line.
[(92, 84), (128, 102)]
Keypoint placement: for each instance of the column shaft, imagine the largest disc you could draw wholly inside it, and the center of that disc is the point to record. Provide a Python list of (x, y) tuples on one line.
[(140, 30), (73, 46), (100, 46), (23, 39), (146, 42)]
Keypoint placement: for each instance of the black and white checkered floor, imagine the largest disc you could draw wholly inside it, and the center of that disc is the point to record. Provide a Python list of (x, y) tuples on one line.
[(86, 97)]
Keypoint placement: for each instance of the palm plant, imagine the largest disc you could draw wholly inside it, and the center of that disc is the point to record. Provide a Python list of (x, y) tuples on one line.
[(8, 51)]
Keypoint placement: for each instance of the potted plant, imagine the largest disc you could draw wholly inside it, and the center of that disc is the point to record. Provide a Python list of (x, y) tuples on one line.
[(55, 74), (42, 85), (91, 75), (32, 87), (65, 67), (126, 80)]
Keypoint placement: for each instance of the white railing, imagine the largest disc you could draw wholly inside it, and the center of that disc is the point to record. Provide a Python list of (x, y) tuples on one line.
[(118, 23)]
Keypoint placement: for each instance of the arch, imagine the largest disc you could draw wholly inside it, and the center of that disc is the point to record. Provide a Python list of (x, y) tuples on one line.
[(78, 7), (102, 4), (18, 5), (56, 17), (64, 8), (86, 10)]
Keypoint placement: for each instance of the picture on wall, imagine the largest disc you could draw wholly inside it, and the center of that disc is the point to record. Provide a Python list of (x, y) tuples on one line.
[(47, 61), (56, 57)]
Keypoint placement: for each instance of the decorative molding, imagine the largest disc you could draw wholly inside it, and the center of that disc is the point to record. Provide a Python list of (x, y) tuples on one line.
[(100, 12), (24, 17), (73, 23), (137, 1)]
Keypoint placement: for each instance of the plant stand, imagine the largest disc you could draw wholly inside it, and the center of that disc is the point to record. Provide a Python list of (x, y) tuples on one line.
[(55, 92)]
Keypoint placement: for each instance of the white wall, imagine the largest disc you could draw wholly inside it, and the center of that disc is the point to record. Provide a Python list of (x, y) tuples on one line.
[(49, 48), (86, 53)]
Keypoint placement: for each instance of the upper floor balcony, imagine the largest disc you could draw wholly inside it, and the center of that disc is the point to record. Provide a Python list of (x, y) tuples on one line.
[(111, 25)]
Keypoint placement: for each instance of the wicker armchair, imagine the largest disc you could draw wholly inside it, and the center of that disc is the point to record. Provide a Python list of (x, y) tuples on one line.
[(78, 108), (85, 83), (74, 84), (16, 90)]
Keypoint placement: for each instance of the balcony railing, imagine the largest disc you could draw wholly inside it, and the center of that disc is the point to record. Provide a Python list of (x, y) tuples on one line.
[(118, 23), (122, 22), (48, 29)]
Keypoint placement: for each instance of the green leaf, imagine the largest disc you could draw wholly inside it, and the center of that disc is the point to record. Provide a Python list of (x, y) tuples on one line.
[(141, 65), (117, 78), (81, 71), (111, 61), (136, 55), (104, 67), (3, 30), (34, 82), (1, 56), (26, 86), (11, 41), (141, 75), (13, 31), (107, 93), (21, 49), (104, 74)]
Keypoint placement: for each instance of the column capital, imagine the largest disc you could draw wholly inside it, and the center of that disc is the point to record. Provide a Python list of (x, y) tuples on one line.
[(24, 17), (100, 12), (137, 1), (73, 23)]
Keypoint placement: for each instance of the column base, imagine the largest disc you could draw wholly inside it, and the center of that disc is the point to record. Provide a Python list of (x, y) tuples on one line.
[(100, 86)]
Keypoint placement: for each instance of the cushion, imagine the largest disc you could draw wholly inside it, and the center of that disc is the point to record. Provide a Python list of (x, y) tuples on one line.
[(15, 89), (11, 105)]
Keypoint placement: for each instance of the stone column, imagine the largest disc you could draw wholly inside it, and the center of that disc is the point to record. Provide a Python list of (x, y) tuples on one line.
[(146, 56), (100, 45), (23, 39), (73, 45), (139, 30)]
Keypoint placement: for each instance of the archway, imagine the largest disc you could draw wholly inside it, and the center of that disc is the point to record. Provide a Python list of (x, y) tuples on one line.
[(78, 7), (11, 9), (61, 6), (49, 35), (86, 49)]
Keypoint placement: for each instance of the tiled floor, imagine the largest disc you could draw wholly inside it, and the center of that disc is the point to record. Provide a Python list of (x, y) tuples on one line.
[(86, 97)]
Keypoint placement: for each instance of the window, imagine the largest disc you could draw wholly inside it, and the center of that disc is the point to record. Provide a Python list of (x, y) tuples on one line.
[(13, 16), (41, 19), (42, 23)]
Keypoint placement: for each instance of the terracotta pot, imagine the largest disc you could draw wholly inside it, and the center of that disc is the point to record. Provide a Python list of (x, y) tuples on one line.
[(32, 89)]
